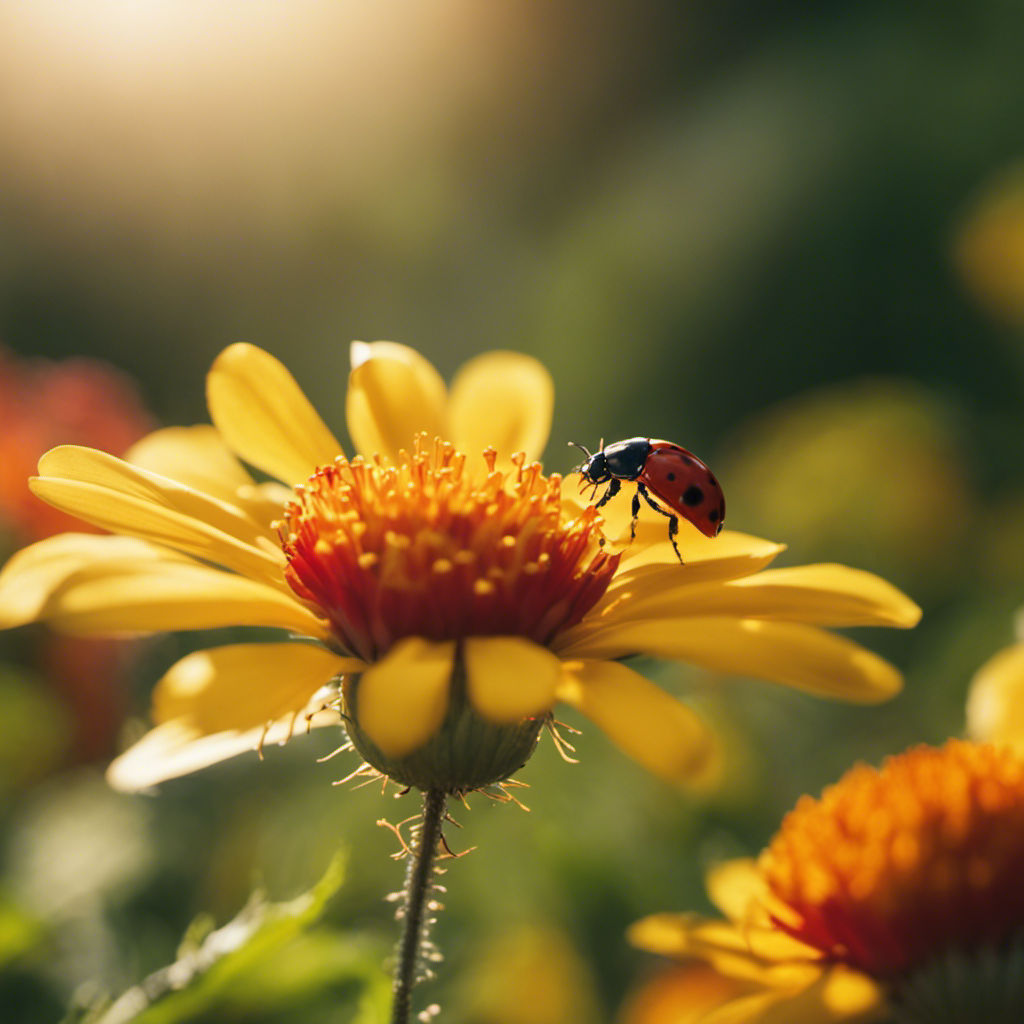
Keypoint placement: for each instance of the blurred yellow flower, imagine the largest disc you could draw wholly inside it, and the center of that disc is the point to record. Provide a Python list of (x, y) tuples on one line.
[(988, 248), (995, 702), (870, 472), (898, 891), (528, 974), (437, 586)]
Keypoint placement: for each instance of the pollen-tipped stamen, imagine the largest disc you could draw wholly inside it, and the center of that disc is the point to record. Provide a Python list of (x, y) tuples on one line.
[(424, 548)]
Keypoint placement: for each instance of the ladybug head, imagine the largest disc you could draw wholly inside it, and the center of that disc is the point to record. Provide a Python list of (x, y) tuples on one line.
[(594, 469)]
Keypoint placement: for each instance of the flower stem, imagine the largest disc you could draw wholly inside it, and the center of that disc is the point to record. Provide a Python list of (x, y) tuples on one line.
[(417, 889)]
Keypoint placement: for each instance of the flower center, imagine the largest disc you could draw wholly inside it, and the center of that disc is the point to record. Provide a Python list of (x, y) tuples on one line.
[(424, 549), (892, 866)]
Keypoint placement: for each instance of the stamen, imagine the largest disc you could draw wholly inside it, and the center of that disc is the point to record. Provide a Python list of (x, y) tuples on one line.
[(422, 549)]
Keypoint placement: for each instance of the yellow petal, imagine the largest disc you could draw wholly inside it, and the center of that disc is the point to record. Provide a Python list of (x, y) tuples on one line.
[(727, 946), (126, 597), (653, 728), (242, 686), (846, 994), (735, 886), (32, 575), (821, 595), (196, 456), (829, 595), (87, 465), (657, 583), (995, 703), (393, 394), (501, 399), (670, 934), (840, 994), (109, 493), (730, 555), (652, 545), (264, 417), (803, 657), (404, 697), (179, 747), (509, 678)]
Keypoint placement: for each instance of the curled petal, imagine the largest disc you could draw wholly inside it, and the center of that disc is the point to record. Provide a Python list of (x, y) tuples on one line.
[(653, 728), (790, 653), (264, 417), (503, 400), (242, 686), (404, 697), (393, 394), (509, 678)]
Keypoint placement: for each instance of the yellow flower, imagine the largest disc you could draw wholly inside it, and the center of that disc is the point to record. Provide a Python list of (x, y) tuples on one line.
[(995, 703), (898, 891), (448, 591), (988, 247)]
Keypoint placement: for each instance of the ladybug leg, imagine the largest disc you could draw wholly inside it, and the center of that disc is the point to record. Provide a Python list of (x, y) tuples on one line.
[(673, 520), (613, 489), (636, 514)]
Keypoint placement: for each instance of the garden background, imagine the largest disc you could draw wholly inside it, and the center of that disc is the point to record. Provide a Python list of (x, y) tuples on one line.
[(789, 237)]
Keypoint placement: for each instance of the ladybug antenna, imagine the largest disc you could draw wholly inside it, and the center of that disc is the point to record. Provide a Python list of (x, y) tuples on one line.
[(586, 451)]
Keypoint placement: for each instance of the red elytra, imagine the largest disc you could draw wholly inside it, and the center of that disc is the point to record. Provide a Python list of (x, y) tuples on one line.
[(673, 475)]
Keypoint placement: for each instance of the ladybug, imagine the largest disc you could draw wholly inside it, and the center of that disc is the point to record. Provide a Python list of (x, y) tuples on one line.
[(676, 477)]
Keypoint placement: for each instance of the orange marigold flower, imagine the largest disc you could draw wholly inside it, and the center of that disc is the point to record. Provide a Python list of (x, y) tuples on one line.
[(897, 883)]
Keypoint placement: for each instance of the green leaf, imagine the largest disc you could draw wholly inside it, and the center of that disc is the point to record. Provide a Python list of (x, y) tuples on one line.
[(271, 956)]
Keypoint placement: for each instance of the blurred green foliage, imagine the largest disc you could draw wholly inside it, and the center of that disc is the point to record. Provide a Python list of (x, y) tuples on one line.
[(751, 229), (267, 959)]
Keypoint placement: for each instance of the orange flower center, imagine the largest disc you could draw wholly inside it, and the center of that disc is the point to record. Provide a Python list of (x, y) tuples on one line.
[(893, 865), (424, 549)]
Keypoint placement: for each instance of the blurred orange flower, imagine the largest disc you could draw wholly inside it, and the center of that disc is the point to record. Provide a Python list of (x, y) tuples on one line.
[(897, 891), (43, 403)]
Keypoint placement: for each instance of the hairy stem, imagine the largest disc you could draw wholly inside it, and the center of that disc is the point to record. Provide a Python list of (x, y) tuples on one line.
[(417, 890)]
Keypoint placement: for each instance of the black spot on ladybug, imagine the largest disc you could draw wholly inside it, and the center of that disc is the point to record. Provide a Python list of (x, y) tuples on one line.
[(713, 515), (671, 476), (712, 480), (693, 495), (686, 459)]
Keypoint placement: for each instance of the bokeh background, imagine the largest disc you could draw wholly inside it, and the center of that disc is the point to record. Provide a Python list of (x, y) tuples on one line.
[(788, 236)]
